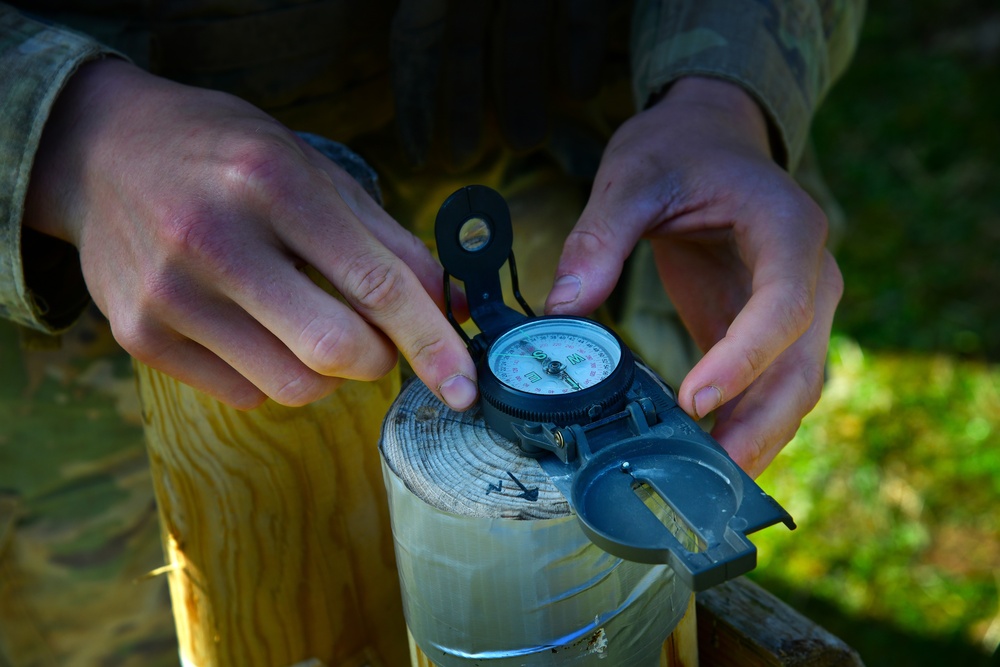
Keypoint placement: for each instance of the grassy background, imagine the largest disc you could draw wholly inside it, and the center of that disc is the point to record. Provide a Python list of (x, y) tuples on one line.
[(895, 477)]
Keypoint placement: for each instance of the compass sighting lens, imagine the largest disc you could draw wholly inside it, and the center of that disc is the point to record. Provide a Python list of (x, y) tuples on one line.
[(474, 234)]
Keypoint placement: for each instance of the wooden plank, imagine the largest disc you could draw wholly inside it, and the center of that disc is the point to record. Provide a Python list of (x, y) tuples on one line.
[(681, 647), (276, 527), (742, 625)]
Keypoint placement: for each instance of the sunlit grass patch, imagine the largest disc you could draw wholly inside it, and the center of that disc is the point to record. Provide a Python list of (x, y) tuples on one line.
[(894, 480)]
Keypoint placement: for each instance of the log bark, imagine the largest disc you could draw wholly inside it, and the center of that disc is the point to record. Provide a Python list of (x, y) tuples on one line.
[(275, 527)]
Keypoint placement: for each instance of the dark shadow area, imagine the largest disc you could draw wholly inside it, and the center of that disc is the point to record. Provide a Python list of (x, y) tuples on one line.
[(909, 142), (880, 643)]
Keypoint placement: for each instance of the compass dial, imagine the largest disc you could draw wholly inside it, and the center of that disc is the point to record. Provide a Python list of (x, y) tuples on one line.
[(554, 356)]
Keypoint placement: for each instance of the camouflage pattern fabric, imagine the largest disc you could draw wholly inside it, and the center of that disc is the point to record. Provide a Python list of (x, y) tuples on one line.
[(786, 54), (78, 524), (35, 62)]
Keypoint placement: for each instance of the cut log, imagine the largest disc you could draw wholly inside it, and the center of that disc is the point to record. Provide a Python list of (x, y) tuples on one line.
[(495, 568)]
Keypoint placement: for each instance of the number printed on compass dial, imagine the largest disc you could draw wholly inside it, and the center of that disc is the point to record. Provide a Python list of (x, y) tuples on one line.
[(554, 356)]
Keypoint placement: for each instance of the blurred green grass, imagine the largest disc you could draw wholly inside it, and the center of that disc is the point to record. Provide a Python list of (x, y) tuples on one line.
[(895, 477)]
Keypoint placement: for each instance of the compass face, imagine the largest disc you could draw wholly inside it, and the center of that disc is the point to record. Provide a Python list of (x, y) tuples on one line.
[(554, 356)]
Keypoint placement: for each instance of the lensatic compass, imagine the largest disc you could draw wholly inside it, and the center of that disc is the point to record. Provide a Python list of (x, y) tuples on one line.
[(646, 483)]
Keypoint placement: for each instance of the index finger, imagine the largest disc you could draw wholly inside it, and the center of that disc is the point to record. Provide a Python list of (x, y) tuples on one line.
[(382, 289)]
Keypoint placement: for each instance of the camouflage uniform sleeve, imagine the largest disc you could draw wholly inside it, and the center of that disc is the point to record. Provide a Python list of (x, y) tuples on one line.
[(36, 61), (784, 53)]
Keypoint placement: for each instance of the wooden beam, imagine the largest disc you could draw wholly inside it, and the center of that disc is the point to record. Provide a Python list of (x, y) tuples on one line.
[(275, 527), (742, 625)]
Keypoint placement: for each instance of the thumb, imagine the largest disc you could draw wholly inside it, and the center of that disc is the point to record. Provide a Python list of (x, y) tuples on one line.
[(592, 259)]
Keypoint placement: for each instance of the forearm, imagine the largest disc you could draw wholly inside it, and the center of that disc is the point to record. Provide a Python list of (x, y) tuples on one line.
[(724, 104)]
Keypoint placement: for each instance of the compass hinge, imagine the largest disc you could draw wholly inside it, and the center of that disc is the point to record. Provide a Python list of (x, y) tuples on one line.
[(536, 439), (583, 441), (569, 442)]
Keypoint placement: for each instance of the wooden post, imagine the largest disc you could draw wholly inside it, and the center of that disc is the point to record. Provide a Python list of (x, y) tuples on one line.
[(275, 528), (495, 568)]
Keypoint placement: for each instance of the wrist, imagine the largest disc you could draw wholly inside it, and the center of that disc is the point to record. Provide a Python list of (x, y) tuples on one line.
[(722, 101), (59, 159)]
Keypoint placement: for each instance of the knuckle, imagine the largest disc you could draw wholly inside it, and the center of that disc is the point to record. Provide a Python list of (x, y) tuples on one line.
[(184, 230), (246, 397), (195, 233), (301, 388), (625, 159), (759, 447), (258, 166), (375, 286), (591, 242), (751, 446), (378, 370), (812, 377), (327, 347), (141, 338), (197, 237), (331, 351), (755, 360), (427, 349), (163, 292), (763, 448), (833, 279), (756, 447)]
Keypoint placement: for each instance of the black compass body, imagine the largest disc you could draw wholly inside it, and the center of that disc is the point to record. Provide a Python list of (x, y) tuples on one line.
[(560, 370), (646, 483)]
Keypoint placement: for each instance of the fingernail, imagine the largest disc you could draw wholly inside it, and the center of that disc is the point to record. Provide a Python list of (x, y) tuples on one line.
[(459, 392), (565, 290), (707, 399)]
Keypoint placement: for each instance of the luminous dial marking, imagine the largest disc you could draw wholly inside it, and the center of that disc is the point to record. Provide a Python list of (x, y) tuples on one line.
[(556, 356)]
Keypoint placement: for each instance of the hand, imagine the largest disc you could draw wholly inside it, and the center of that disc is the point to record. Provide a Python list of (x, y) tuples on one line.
[(739, 248), (195, 214)]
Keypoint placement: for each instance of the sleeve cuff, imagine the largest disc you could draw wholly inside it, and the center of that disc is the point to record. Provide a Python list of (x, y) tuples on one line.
[(774, 51), (36, 61)]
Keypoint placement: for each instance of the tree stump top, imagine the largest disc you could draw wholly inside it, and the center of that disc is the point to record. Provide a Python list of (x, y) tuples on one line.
[(455, 463)]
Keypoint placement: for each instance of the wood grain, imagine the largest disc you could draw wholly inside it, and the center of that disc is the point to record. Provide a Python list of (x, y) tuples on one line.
[(455, 463), (276, 527)]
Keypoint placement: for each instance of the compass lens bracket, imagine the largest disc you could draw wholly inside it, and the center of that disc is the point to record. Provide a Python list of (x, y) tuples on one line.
[(474, 238), (473, 233)]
